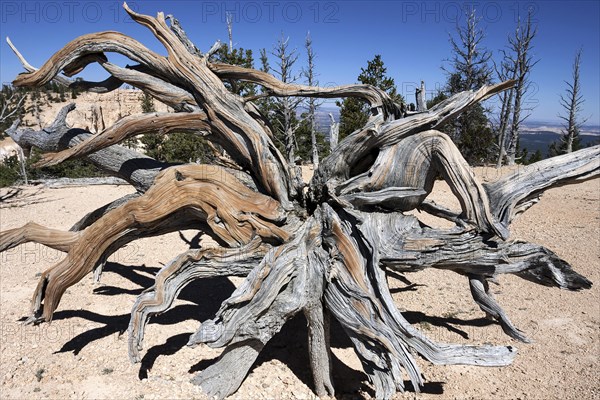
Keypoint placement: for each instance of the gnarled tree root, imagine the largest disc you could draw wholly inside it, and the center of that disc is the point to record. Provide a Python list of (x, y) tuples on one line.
[(323, 253), (211, 192), (173, 277)]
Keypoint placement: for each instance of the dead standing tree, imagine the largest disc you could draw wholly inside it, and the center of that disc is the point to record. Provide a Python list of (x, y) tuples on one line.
[(323, 252)]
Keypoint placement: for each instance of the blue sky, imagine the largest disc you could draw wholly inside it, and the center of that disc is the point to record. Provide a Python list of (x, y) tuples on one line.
[(411, 36)]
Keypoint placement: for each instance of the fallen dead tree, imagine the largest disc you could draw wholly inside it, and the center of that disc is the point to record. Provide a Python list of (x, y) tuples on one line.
[(323, 252)]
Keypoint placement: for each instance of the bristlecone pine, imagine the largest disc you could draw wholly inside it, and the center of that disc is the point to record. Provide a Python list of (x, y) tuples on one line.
[(322, 250)]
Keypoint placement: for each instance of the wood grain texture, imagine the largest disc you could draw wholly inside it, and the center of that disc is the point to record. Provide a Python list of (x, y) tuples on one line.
[(323, 252)]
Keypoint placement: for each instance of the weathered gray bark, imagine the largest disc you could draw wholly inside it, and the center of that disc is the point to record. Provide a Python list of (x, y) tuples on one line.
[(136, 168), (507, 71), (323, 253)]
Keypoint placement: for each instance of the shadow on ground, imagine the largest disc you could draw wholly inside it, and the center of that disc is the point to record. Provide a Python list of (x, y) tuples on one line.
[(204, 298)]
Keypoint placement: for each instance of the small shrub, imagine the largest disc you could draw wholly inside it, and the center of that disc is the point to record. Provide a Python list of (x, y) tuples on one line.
[(39, 374), (9, 171)]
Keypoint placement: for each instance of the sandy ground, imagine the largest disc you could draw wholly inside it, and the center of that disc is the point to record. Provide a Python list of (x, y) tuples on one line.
[(83, 353)]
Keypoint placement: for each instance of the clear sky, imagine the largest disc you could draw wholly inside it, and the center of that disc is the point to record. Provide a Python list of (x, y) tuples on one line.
[(411, 36)]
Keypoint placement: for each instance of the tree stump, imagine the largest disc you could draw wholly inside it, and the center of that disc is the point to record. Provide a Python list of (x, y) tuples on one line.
[(321, 250)]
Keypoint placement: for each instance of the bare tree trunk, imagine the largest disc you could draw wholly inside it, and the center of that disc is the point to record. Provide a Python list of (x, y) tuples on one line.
[(22, 162), (286, 106), (521, 45), (507, 71), (572, 104), (312, 104), (334, 132), (420, 98)]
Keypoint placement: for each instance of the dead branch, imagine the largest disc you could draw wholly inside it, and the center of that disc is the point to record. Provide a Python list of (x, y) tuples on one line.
[(324, 252)]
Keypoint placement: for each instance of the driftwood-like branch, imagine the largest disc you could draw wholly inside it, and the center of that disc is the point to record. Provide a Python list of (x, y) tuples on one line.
[(171, 279), (182, 36), (377, 98), (61, 80), (131, 126), (136, 168), (213, 194), (323, 253), (32, 232), (515, 193), (70, 57), (163, 91)]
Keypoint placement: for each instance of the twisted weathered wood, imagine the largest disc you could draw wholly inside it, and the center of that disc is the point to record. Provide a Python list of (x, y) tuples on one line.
[(225, 110), (480, 291), (131, 126), (377, 98), (287, 281), (136, 168), (323, 253), (514, 193), (171, 279), (402, 176), (213, 193), (32, 232)]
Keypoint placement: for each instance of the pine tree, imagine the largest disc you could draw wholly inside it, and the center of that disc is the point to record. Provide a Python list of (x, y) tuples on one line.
[(152, 143), (354, 113), (147, 103), (265, 104), (469, 70), (243, 58)]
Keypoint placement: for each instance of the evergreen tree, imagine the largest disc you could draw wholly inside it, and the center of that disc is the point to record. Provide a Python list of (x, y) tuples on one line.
[(438, 98), (178, 147), (265, 104), (184, 148), (243, 58), (304, 139), (469, 70), (147, 103), (152, 143), (535, 157), (354, 113)]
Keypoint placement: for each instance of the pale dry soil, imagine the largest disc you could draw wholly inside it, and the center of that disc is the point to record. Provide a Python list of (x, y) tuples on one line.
[(83, 352)]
